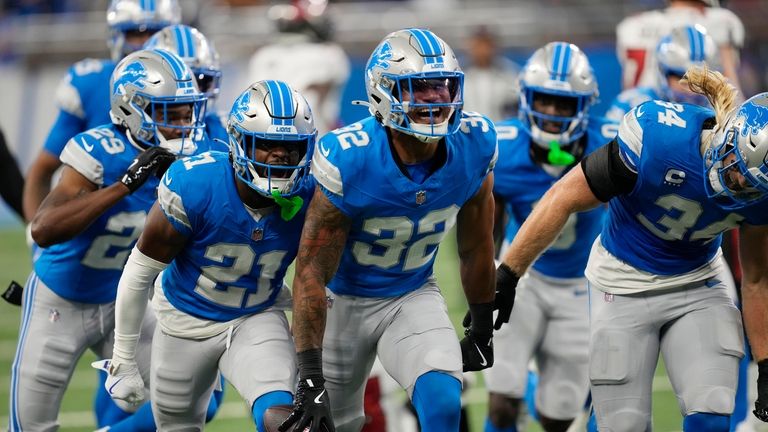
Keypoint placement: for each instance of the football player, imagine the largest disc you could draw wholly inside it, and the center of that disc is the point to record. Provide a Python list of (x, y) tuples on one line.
[(676, 52), (550, 321), (305, 56), (638, 35), (675, 178), (90, 221), (83, 96), (225, 228), (389, 188), (199, 53)]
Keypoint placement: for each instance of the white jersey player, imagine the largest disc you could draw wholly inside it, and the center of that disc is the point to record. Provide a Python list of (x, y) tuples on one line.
[(638, 35), (304, 57)]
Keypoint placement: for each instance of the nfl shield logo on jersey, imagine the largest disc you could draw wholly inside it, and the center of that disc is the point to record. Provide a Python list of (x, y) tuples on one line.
[(421, 197), (257, 234)]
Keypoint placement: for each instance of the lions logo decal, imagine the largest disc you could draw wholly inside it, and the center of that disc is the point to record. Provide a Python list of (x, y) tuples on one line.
[(134, 74), (241, 106), (380, 56)]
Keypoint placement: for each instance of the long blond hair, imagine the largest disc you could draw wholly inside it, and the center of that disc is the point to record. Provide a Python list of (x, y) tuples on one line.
[(720, 93)]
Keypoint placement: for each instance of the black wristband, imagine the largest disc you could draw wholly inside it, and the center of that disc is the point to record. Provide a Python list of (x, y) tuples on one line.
[(482, 318), (505, 276), (310, 363)]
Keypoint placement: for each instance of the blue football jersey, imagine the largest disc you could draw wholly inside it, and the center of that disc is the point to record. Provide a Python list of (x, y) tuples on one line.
[(232, 264), (667, 225), (87, 268), (397, 223), (521, 183), (83, 102), (629, 99)]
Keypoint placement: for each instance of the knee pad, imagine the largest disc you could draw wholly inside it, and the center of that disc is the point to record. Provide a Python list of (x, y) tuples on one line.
[(171, 395), (609, 366), (55, 366), (563, 400), (266, 401), (706, 422), (624, 421), (437, 399)]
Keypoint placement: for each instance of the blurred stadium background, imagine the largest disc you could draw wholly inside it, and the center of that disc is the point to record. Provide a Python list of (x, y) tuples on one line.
[(40, 39)]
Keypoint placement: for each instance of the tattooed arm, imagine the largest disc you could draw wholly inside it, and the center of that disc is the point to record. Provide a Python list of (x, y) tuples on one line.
[(322, 242), (72, 206)]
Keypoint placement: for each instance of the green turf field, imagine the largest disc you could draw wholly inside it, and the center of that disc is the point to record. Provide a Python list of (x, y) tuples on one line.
[(76, 409)]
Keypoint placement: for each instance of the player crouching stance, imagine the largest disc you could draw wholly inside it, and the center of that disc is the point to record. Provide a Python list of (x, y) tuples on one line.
[(224, 230), (676, 177)]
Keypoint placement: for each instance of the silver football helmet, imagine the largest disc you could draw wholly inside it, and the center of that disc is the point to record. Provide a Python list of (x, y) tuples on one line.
[(417, 65), (269, 115), (148, 88), (197, 52), (736, 163), (125, 16), (557, 70), (684, 47)]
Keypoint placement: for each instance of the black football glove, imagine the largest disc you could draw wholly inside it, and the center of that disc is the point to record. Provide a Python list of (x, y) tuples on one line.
[(761, 404), (311, 405), (477, 345), (154, 160), (506, 286)]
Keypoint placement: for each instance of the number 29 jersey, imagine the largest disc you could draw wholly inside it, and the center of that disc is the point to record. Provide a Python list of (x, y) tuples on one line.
[(234, 261), (667, 225), (397, 224)]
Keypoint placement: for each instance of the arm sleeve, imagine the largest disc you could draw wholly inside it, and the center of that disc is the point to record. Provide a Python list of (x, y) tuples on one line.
[(11, 180), (132, 297), (607, 174)]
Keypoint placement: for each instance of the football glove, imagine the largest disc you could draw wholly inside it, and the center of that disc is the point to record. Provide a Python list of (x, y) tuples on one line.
[(311, 405), (761, 404), (506, 287), (311, 408), (124, 384), (154, 160), (477, 345)]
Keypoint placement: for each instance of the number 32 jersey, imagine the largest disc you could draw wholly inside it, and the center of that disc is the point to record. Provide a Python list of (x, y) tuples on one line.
[(667, 225), (397, 224), (234, 260)]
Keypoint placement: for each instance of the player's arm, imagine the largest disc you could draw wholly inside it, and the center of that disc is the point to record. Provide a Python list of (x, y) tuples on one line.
[(753, 250), (38, 183), (322, 242), (474, 234), (72, 206), (76, 201), (11, 180), (159, 243)]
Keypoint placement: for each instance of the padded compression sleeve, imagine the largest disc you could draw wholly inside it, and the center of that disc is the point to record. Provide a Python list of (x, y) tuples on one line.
[(132, 297), (607, 174)]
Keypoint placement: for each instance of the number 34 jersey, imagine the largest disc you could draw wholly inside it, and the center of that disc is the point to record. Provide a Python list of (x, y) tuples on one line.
[(235, 259), (521, 183), (397, 224), (667, 225)]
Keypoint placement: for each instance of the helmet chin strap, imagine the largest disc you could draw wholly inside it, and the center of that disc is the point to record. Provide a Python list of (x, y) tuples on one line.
[(177, 146)]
